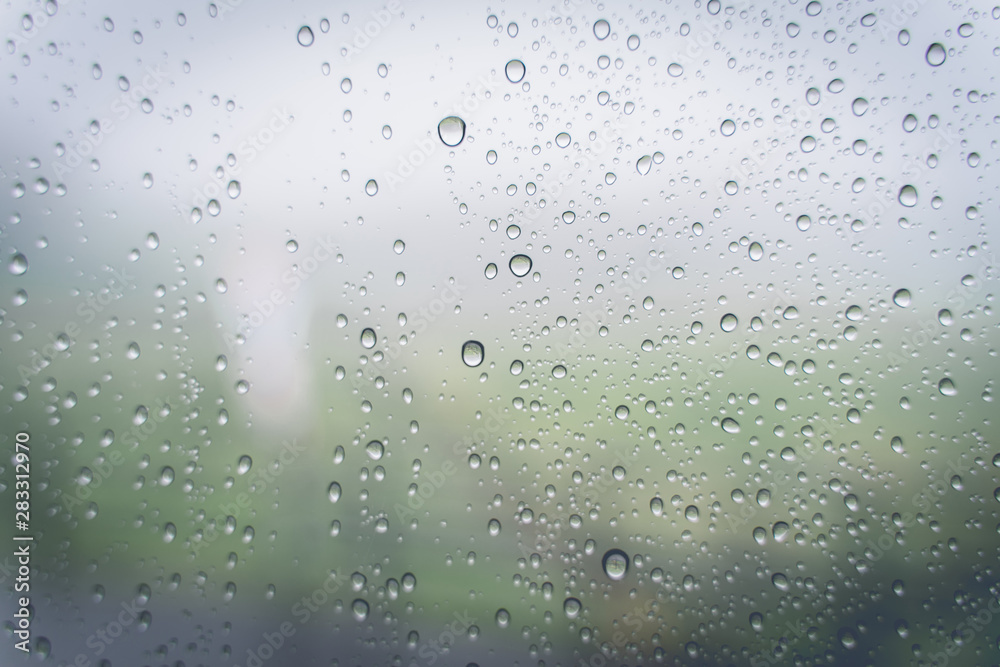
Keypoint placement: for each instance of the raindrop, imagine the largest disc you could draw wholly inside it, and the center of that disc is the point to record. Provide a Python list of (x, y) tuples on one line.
[(947, 387), (371, 188), (644, 164), (305, 36), (730, 425), (602, 29), (514, 70), (520, 265), (572, 607), (615, 564), (18, 265), (729, 322), (936, 55), (244, 464), (360, 609), (451, 130), (563, 139), (756, 251), (908, 196), (375, 450), (368, 338), (334, 492), (491, 271), (621, 412), (901, 298), (472, 353), (727, 128)]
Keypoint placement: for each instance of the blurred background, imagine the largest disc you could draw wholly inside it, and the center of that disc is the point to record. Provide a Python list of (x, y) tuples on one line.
[(502, 334)]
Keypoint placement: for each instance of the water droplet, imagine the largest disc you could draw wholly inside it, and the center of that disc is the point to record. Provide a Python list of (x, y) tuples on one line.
[(622, 412), (360, 609), (371, 188), (334, 492), (133, 351), (368, 338), (305, 36), (520, 265), (644, 164), (901, 298), (514, 70), (633, 42), (727, 128), (491, 271), (563, 139), (18, 265), (559, 372), (729, 322), (503, 618), (244, 464), (947, 387), (730, 425), (451, 130), (908, 196), (756, 251), (936, 54), (472, 353), (615, 564), (375, 450), (675, 69), (602, 29), (572, 607)]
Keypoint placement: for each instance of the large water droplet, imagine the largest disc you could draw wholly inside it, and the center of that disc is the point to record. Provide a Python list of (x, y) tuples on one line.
[(515, 71), (615, 564), (368, 338), (305, 36), (18, 265), (908, 196), (901, 298), (244, 464), (520, 265), (451, 130), (936, 54), (375, 450), (602, 29), (334, 492), (472, 353)]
